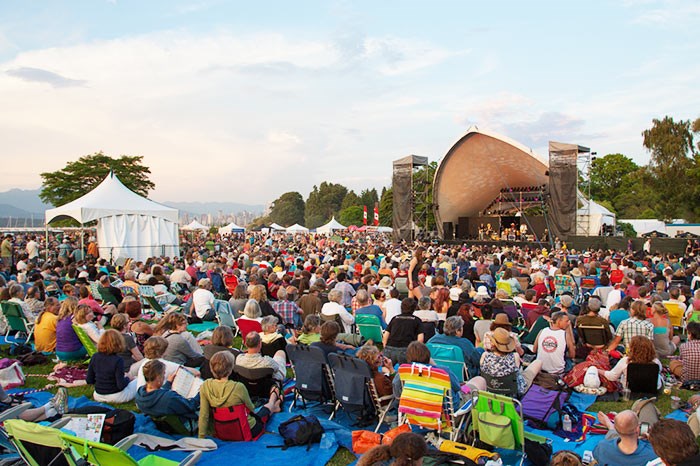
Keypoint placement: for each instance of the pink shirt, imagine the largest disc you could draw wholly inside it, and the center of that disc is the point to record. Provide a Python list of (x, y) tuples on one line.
[(94, 305)]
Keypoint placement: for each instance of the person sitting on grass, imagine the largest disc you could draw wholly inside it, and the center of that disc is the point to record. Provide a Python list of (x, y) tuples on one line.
[(157, 399), (673, 441), (641, 351), (83, 317), (380, 366), (221, 340), (254, 359), (45, 328), (132, 354), (106, 371), (56, 406), (68, 345), (328, 342), (622, 445), (311, 331), (182, 347), (154, 349), (220, 392), (272, 340)]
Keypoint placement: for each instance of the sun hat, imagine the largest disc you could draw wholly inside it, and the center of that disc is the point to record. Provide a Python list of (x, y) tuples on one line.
[(385, 282), (503, 340), (502, 319), (482, 291), (454, 294)]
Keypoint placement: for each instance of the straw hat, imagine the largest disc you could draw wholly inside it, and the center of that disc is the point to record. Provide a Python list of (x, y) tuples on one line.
[(502, 319), (385, 282), (503, 341)]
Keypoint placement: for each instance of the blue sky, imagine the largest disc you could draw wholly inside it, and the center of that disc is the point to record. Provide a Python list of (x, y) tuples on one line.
[(244, 101)]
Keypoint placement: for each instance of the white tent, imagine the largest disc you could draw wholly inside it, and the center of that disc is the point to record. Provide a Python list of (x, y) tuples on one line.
[(642, 226), (330, 227), (195, 225), (591, 217), (231, 228), (296, 228), (277, 227), (128, 225)]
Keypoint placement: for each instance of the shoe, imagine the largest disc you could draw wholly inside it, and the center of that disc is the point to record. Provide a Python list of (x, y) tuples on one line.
[(60, 401)]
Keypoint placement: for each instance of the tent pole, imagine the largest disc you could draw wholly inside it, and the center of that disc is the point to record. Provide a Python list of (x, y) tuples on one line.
[(82, 242), (46, 240)]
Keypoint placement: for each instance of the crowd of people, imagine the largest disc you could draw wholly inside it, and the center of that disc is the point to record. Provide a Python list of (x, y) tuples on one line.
[(511, 311)]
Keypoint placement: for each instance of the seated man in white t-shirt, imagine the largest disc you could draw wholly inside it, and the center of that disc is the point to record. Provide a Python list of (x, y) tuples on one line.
[(555, 343), (203, 301)]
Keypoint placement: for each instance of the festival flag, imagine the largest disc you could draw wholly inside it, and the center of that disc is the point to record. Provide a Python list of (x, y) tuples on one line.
[(376, 214), (364, 216)]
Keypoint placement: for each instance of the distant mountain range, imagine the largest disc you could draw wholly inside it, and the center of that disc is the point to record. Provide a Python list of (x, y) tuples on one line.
[(25, 203)]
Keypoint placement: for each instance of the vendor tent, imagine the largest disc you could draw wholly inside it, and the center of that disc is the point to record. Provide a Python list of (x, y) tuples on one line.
[(646, 225), (231, 228), (277, 227), (195, 225), (591, 217), (296, 228), (128, 225), (330, 227)]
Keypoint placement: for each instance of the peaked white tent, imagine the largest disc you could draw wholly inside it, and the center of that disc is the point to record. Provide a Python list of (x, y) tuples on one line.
[(195, 225), (642, 226), (330, 227), (296, 228), (231, 228), (592, 216), (277, 227), (128, 225)]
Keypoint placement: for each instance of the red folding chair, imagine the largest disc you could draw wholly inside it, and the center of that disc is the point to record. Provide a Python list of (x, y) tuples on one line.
[(245, 326), (231, 424), (231, 282)]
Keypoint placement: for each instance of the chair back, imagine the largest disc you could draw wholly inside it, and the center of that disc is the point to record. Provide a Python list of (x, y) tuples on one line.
[(593, 335), (506, 385), (694, 317), (95, 290), (588, 283), (16, 320), (245, 326), (369, 327), (675, 312), (643, 378), (258, 381), (505, 286), (231, 424), (486, 402), (231, 283), (311, 372), (173, 425), (451, 357), (351, 376), (426, 400), (224, 314), (37, 445), (97, 453), (564, 284), (616, 276), (85, 339), (401, 284), (525, 308), (107, 295)]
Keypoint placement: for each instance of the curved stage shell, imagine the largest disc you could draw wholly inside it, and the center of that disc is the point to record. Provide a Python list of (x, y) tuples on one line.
[(476, 168)]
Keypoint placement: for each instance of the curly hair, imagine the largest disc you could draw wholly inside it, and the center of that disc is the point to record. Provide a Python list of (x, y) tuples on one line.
[(641, 350), (406, 450)]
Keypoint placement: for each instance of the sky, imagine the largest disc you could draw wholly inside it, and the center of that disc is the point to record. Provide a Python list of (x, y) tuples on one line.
[(243, 101)]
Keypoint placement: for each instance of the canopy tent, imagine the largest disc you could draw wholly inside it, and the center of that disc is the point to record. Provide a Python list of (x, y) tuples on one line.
[(231, 228), (296, 228), (591, 217), (642, 226), (277, 227), (330, 227), (195, 225), (128, 225)]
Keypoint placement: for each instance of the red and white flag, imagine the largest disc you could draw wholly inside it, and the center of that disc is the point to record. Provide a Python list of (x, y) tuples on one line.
[(376, 214), (364, 216)]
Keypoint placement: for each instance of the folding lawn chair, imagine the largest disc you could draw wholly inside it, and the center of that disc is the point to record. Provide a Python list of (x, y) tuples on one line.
[(426, 399), (642, 379), (259, 381), (588, 283), (355, 389), (148, 298), (245, 326), (505, 286), (85, 340), (564, 284), (107, 296), (451, 357), (491, 416), (506, 385), (39, 445), (224, 315), (401, 284), (369, 327), (231, 283), (312, 374), (595, 336), (676, 311), (173, 425), (231, 424), (16, 320), (101, 454)]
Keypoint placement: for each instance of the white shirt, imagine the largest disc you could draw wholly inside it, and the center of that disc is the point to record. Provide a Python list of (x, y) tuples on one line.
[(331, 309), (33, 249), (393, 308), (180, 276), (202, 300), (551, 348)]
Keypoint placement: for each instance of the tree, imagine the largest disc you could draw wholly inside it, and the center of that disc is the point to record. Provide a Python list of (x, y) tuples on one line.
[(323, 203), (288, 209), (636, 196), (368, 197), (352, 215), (386, 207), (82, 176), (350, 199), (671, 146), (607, 174)]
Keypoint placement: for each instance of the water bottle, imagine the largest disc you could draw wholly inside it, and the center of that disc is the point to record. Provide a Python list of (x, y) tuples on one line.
[(566, 423)]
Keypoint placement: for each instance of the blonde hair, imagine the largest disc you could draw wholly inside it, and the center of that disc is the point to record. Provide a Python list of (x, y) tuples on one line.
[(258, 293), (68, 307), (119, 321), (81, 313)]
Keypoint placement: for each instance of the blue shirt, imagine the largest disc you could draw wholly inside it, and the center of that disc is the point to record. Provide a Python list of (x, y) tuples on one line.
[(374, 310), (471, 355), (607, 454), (617, 316)]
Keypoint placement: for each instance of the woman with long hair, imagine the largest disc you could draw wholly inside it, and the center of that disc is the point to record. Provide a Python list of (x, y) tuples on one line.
[(68, 346), (413, 269), (664, 341), (182, 347), (641, 351)]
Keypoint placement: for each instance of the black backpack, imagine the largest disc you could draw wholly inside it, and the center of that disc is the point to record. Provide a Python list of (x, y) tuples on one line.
[(300, 430), (119, 423)]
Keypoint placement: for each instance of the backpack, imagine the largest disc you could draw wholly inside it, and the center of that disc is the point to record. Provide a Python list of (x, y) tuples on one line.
[(646, 411), (301, 430), (540, 403), (119, 423)]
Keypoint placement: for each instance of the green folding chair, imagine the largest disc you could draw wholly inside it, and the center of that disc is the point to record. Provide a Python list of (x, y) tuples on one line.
[(39, 445), (450, 356), (85, 340), (369, 327), (107, 296), (101, 454), (16, 320)]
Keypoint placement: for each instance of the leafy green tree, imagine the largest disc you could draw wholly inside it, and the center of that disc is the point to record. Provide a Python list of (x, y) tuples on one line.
[(351, 216), (671, 146), (350, 199), (368, 197), (386, 207), (288, 209), (323, 203), (82, 176), (627, 229), (607, 174), (636, 196)]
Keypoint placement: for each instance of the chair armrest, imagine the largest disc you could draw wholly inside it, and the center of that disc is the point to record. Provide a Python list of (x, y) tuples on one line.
[(59, 423), (15, 411), (191, 459), (127, 442)]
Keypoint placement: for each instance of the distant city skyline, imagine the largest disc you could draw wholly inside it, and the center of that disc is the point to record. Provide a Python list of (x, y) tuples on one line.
[(238, 101)]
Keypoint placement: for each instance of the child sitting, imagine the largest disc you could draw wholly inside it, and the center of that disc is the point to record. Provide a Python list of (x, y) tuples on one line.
[(220, 392), (311, 331), (106, 371), (157, 399), (154, 348), (83, 317), (132, 354)]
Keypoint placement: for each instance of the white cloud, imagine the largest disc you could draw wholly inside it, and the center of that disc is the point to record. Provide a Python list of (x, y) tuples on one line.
[(397, 56)]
